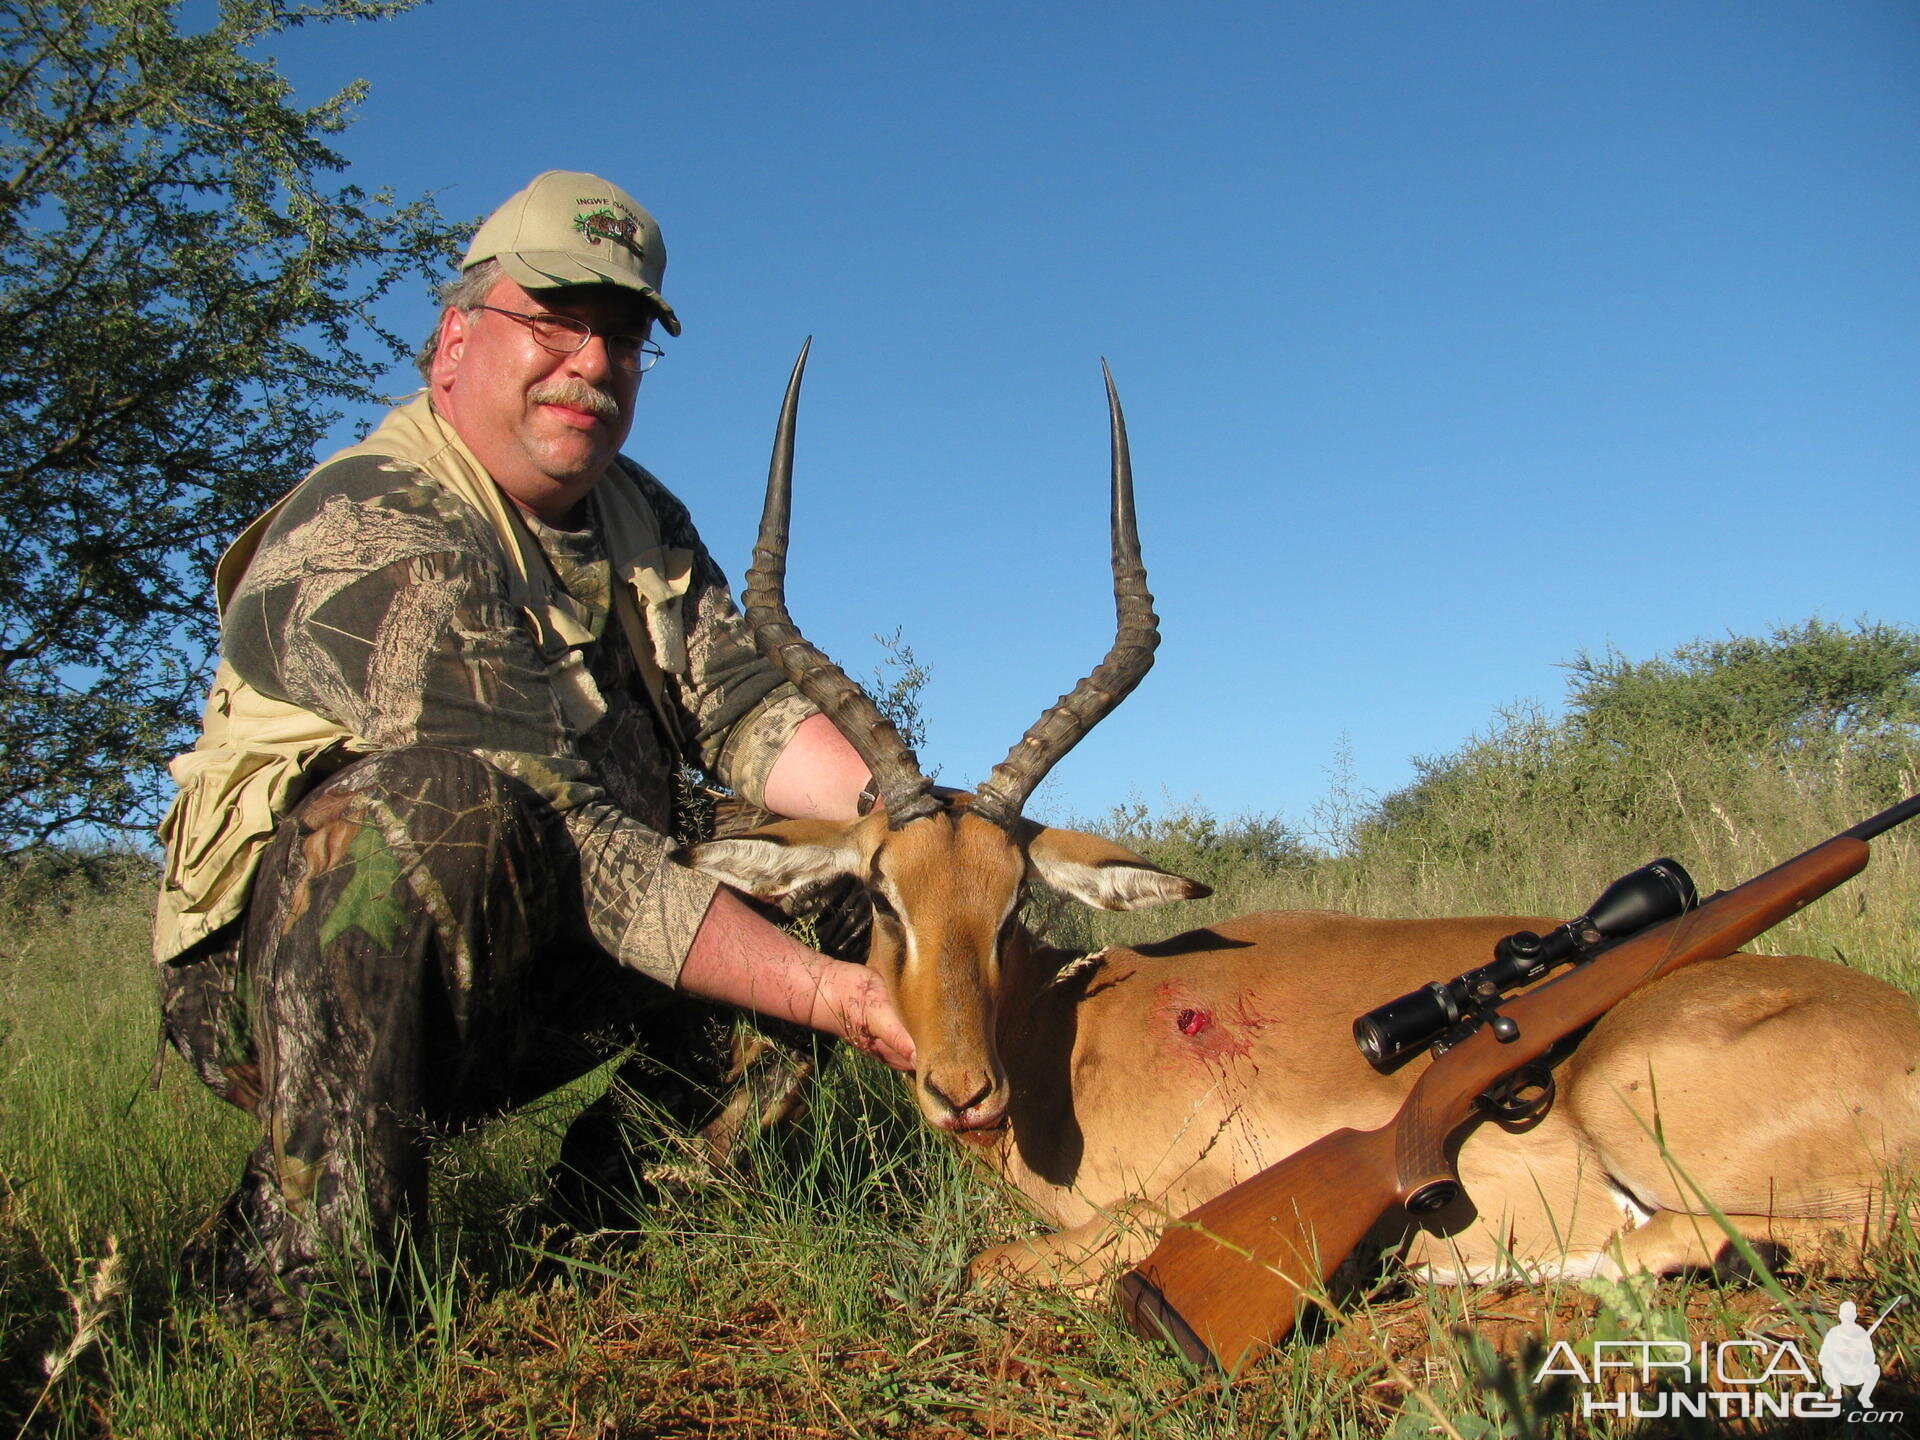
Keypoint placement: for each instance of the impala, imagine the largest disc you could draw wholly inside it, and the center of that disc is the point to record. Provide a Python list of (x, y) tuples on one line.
[(1115, 1089)]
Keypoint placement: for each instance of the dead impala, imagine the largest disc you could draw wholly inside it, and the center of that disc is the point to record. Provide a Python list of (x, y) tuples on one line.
[(1785, 1088)]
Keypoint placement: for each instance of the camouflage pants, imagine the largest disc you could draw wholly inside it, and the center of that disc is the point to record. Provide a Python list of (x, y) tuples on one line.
[(415, 959)]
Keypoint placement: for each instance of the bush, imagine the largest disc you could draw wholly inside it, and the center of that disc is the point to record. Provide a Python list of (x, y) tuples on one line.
[(1802, 732)]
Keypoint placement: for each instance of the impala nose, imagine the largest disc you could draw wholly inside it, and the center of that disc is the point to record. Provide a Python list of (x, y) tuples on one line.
[(964, 1093)]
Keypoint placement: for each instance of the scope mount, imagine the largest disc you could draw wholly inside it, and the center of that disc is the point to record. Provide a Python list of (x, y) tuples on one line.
[(1482, 1008), (1442, 1014)]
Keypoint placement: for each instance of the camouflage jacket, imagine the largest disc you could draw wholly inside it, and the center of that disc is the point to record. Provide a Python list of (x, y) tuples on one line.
[(382, 604)]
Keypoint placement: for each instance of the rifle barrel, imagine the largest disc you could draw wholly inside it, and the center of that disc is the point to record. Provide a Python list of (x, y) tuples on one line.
[(1893, 815)]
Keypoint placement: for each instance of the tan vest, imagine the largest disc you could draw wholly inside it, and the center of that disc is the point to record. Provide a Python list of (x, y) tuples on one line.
[(255, 754)]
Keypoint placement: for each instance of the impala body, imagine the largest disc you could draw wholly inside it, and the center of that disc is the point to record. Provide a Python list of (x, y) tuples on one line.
[(1115, 1090), (1785, 1089)]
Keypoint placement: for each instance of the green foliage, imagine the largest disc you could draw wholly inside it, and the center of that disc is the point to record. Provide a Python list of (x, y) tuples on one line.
[(897, 683), (1191, 840), (1540, 812), (1814, 718), (59, 877), (1804, 685), (1252, 862), (184, 306)]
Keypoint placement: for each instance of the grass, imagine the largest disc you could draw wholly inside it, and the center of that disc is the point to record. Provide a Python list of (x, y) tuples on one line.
[(819, 1292), (1524, 838)]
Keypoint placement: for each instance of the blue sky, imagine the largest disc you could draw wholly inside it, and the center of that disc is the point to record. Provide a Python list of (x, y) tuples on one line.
[(1454, 338)]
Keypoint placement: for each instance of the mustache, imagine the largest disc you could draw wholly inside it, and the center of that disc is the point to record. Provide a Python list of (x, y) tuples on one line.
[(575, 394)]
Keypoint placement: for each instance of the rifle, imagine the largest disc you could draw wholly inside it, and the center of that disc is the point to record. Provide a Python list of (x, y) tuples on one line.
[(1229, 1279)]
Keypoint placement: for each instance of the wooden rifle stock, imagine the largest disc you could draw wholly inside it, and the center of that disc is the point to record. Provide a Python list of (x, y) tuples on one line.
[(1229, 1279)]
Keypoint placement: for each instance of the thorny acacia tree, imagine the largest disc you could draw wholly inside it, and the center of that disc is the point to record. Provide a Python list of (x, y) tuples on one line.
[(184, 306)]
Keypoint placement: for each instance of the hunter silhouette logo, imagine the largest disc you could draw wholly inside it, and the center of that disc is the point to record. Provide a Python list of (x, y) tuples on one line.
[(1745, 1379), (1846, 1354), (608, 224)]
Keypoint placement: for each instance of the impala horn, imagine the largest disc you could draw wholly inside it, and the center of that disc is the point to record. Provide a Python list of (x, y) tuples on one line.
[(897, 777), (1067, 722)]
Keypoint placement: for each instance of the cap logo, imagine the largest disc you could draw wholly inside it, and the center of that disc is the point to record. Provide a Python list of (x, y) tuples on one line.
[(608, 224)]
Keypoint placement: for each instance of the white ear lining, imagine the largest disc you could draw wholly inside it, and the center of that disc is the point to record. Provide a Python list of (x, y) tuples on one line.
[(770, 868), (1110, 884)]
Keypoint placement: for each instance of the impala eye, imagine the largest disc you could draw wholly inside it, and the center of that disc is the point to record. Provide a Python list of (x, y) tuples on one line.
[(1007, 927)]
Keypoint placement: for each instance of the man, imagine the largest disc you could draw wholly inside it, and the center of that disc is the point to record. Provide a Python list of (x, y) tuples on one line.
[(417, 867)]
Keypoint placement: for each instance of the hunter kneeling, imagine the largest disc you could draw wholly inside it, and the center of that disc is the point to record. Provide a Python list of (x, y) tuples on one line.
[(417, 871)]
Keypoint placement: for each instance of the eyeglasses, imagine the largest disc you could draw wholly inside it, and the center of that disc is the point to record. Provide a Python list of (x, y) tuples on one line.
[(564, 335)]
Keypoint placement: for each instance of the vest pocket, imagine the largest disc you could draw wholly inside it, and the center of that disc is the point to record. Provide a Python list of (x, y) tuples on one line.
[(229, 805)]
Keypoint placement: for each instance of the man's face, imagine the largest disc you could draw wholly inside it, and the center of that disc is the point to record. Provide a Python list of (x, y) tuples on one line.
[(544, 425)]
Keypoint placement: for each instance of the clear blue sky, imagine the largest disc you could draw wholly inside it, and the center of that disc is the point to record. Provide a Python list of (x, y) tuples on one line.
[(1454, 338)]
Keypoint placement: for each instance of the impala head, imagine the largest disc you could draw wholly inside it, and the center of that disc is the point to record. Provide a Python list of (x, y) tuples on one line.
[(946, 873)]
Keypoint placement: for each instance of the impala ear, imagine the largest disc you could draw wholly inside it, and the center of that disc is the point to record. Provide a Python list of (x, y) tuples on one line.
[(777, 860), (1102, 874)]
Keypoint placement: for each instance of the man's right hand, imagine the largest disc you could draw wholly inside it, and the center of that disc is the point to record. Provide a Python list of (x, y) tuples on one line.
[(741, 959), (855, 1004)]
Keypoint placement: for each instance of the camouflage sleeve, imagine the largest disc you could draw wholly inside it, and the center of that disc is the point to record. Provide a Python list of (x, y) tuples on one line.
[(743, 711), (380, 602)]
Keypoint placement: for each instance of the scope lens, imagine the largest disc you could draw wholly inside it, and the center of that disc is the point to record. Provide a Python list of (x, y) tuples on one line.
[(1652, 893)]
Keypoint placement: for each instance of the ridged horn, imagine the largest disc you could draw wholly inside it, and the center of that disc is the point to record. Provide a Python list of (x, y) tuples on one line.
[(897, 778), (1067, 722)]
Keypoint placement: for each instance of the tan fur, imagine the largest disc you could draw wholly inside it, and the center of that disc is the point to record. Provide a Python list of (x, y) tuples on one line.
[(1785, 1089), (1137, 1084)]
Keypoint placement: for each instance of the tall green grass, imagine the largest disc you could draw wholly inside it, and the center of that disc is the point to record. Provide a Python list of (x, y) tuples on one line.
[(1532, 819)]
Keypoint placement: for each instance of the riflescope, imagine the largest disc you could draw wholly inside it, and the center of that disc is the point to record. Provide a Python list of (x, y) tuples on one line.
[(1421, 1017)]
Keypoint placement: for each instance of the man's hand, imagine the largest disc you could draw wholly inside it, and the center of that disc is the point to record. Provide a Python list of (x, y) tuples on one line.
[(855, 1005), (741, 959)]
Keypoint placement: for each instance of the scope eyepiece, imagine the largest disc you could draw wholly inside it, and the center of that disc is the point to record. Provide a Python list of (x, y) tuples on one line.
[(1404, 1025)]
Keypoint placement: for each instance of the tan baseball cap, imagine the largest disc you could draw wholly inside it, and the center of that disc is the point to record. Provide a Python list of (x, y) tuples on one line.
[(571, 228)]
